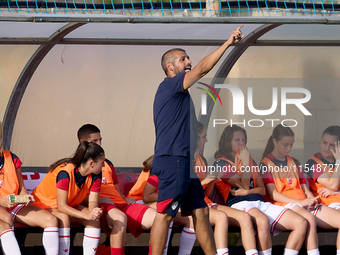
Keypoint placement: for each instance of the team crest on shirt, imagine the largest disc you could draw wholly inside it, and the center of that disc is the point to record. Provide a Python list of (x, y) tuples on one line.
[(1, 184), (290, 180), (104, 180), (174, 205)]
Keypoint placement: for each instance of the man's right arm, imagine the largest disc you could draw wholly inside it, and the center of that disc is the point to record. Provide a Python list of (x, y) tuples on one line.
[(206, 64)]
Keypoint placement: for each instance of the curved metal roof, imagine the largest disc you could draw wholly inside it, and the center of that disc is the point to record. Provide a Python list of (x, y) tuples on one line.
[(60, 75)]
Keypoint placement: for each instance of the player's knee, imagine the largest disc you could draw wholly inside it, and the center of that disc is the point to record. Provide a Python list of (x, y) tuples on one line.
[(118, 223), (117, 215), (64, 220), (7, 225), (218, 218), (8, 219), (262, 224), (244, 220), (4, 226), (301, 224), (223, 219), (311, 220), (50, 221), (122, 218)]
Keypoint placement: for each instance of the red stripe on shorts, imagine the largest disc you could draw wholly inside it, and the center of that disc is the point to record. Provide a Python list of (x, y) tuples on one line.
[(162, 206)]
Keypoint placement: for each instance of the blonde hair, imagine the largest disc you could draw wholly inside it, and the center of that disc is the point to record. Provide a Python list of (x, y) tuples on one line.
[(1, 138)]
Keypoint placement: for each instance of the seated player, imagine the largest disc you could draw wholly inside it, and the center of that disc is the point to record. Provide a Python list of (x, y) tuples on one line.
[(235, 217), (286, 186), (324, 170), (11, 183), (242, 188), (120, 213), (136, 192), (64, 188)]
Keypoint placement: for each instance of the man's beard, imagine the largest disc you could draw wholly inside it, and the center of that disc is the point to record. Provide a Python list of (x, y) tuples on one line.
[(178, 70)]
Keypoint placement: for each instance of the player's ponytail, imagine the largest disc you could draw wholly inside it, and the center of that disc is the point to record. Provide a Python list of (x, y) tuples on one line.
[(269, 147), (148, 164), (84, 152)]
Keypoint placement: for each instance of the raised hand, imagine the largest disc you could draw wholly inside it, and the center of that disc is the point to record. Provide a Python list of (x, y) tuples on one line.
[(235, 36), (336, 151), (244, 155)]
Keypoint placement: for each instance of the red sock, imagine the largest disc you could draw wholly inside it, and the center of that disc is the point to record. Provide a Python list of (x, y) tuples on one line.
[(117, 251)]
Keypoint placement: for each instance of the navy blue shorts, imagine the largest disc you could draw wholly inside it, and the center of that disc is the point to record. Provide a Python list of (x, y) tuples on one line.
[(176, 189)]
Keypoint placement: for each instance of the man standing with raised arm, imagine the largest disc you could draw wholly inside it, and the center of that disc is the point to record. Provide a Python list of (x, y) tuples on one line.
[(176, 136)]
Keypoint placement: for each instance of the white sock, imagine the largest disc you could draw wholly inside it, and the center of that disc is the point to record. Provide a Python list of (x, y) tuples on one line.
[(64, 241), (50, 240), (167, 241), (91, 240), (337, 252), (252, 252), (186, 241), (290, 252), (266, 252), (9, 243), (313, 252), (223, 251)]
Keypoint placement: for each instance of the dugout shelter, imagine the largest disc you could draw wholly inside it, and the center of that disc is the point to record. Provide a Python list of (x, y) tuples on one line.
[(62, 68)]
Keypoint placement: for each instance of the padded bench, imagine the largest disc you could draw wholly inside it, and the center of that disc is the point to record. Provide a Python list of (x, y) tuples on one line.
[(126, 181)]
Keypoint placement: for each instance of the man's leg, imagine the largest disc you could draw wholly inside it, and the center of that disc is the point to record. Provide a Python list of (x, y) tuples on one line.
[(159, 233), (203, 230)]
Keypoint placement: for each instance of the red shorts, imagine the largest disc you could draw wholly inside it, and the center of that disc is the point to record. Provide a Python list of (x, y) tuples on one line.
[(134, 213)]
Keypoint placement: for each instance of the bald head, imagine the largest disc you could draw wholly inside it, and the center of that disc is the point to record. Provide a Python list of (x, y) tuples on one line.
[(169, 57)]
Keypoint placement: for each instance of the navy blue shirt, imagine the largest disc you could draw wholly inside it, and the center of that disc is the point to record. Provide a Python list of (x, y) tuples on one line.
[(174, 119), (251, 197)]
